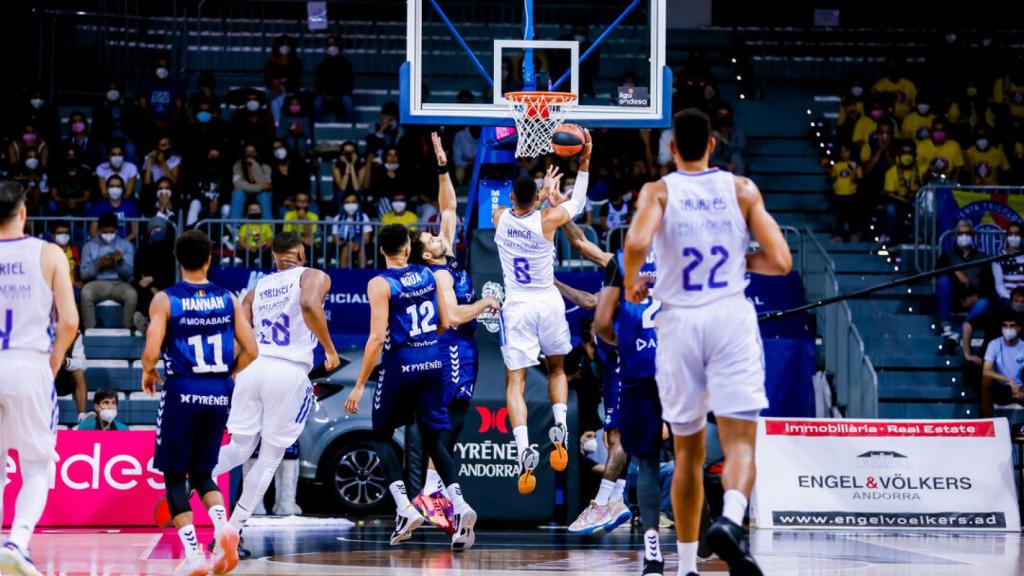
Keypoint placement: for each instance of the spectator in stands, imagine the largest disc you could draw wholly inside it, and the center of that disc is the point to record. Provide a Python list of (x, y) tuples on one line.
[(902, 181), (255, 237), (302, 213), (62, 237), (969, 109), (206, 94), (386, 132), (1004, 357), (210, 189), (120, 207), (71, 187), (877, 116), (116, 165), (464, 152), (161, 98), (108, 265), (384, 180), (847, 205), (252, 124), (252, 181), (38, 112), (348, 171), (104, 417), (851, 110), (615, 212), (963, 290), (917, 125), (881, 155), (164, 206), (939, 157), (334, 84), (1008, 273), (30, 140), (282, 73), (161, 162), (351, 233), (116, 120), (30, 174), (87, 147), (730, 141), (206, 129), (896, 89), (852, 104), (289, 177), (398, 213), (985, 159), (154, 267), (1008, 90)]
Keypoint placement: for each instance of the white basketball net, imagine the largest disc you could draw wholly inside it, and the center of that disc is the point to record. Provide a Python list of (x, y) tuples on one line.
[(537, 116)]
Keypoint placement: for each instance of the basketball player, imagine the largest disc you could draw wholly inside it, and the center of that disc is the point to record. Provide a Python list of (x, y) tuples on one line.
[(533, 316), (273, 397), (34, 281), (458, 346), (195, 325), (406, 318), (709, 357)]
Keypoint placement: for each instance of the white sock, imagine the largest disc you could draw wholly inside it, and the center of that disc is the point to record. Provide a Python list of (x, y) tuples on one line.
[(398, 492), (735, 507), (652, 546), (560, 410), (31, 501), (604, 493), (239, 516), (455, 495), (687, 557), (256, 483), (219, 517), (522, 438), (434, 482), (620, 490), (189, 540)]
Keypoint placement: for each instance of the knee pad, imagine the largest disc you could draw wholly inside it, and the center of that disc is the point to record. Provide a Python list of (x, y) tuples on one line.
[(689, 428), (748, 415), (178, 494), (203, 483)]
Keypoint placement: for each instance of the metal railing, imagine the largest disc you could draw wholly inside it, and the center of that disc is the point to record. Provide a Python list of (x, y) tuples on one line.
[(853, 374), (80, 228), (928, 239)]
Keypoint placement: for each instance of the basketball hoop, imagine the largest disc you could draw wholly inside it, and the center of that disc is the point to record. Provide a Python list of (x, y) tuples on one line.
[(537, 116)]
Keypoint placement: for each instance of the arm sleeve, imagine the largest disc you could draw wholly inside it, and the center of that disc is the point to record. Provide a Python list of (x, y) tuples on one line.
[(990, 351), (574, 206), (612, 274), (87, 269)]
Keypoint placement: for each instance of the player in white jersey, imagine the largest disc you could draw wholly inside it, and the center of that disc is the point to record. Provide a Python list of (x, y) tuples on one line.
[(273, 396), (709, 357), (35, 280), (533, 316)]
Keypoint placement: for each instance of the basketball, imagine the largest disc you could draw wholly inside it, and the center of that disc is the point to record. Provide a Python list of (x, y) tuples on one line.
[(568, 140)]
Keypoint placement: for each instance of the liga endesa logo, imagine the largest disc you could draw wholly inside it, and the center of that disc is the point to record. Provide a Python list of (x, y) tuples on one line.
[(497, 419)]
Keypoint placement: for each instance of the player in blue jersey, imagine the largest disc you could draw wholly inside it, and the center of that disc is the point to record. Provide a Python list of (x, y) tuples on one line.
[(458, 345), (406, 319), (197, 328)]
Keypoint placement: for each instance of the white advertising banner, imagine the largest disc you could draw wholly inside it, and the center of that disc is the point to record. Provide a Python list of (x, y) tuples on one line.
[(901, 474)]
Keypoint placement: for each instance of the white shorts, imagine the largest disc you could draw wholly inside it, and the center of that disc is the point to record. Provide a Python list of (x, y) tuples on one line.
[(532, 323), (272, 399), (710, 359), (28, 407)]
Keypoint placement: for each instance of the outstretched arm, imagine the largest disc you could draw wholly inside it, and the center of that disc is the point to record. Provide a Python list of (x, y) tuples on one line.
[(773, 258), (572, 207), (459, 314), (446, 200), (314, 286), (584, 300), (649, 211), (585, 247)]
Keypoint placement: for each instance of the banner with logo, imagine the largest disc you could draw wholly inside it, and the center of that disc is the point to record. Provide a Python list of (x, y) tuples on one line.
[(102, 479), (993, 210), (876, 474)]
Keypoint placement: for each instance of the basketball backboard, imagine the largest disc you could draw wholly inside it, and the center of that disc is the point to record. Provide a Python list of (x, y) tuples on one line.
[(610, 54)]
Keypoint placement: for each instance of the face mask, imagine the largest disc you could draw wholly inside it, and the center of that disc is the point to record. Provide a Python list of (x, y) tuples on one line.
[(1013, 241), (108, 237), (113, 95), (923, 109), (964, 240), (399, 206), (163, 193), (876, 114), (280, 153), (1009, 333), (982, 143), (32, 163), (294, 108), (256, 216), (351, 208), (157, 237), (204, 117), (162, 73), (116, 161), (907, 160), (115, 193), (284, 50), (62, 239), (938, 136), (333, 51), (972, 92), (857, 90), (29, 137), (252, 105), (108, 415), (391, 166), (590, 446), (1017, 307), (78, 127), (36, 103)]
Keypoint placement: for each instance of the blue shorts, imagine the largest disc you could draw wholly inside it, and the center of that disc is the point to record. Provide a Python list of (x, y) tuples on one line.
[(411, 386), (191, 423), (639, 417), (461, 364)]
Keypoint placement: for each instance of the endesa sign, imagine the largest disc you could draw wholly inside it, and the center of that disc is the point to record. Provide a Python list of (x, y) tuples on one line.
[(901, 474), (102, 479)]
